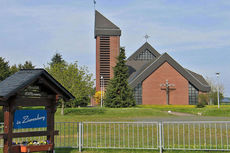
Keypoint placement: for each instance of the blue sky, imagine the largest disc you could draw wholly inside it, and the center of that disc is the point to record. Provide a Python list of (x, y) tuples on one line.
[(196, 33)]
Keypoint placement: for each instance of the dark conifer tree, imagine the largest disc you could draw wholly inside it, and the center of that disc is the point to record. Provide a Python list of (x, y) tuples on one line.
[(26, 65), (57, 59), (4, 69), (118, 92)]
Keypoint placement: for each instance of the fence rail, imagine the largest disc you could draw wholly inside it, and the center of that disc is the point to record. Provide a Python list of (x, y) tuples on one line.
[(166, 135), (194, 135), (124, 135)]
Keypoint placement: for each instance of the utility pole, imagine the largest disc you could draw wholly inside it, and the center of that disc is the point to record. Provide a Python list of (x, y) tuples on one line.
[(102, 90), (218, 92)]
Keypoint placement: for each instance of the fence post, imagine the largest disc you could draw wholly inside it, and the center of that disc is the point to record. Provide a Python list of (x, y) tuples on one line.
[(160, 137), (80, 134)]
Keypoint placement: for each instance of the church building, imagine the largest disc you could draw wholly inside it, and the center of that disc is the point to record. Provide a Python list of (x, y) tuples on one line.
[(155, 78)]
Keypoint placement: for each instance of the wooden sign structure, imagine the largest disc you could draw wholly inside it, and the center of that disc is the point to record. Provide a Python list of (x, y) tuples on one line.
[(29, 88)]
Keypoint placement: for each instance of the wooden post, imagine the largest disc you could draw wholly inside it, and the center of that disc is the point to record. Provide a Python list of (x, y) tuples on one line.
[(50, 122), (8, 128)]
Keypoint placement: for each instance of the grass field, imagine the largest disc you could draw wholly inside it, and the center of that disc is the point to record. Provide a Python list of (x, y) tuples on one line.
[(131, 114), (128, 114), (106, 114), (123, 151), (126, 151), (141, 111), (211, 110)]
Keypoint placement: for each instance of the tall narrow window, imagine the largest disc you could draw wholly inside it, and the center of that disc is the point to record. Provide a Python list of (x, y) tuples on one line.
[(138, 94), (193, 95), (105, 59), (145, 55)]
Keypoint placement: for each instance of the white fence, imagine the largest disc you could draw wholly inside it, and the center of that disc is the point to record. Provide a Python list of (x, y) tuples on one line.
[(123, 135), (186, 135)]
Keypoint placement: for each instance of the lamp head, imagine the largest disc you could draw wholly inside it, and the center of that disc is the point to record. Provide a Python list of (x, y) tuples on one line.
[(217, 74)]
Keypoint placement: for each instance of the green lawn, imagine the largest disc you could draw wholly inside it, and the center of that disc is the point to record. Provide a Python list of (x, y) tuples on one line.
[(134, 113), (106, 114), (129, 114), (141, 111), (211, 110), (123, 151)]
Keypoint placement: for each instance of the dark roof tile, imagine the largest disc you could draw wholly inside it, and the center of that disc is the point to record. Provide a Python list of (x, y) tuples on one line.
[(104, 27), (148, 69), (143, 48)]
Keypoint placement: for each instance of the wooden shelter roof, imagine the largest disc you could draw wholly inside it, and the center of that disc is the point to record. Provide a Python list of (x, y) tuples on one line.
[(20, 80)]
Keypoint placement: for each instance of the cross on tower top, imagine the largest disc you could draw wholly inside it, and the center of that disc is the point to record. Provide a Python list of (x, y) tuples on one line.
[(146, 37), (94, 4)]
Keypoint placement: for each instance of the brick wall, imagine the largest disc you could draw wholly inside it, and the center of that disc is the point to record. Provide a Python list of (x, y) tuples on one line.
[(114, 51), (98, 64), (151, 90)]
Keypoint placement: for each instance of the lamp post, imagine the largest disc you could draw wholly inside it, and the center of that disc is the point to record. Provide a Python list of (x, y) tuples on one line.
[(218, 92), (102, 90)]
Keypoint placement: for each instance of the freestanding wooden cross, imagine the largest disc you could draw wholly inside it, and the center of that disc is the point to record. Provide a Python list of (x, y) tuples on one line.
[(166, 87)]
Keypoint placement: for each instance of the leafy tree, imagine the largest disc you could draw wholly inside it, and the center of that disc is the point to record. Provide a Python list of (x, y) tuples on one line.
[(26, 65), (118, 92), (4, 69), (214, 98), (76, 79), (57, 59), (14, 69), (212, 95)]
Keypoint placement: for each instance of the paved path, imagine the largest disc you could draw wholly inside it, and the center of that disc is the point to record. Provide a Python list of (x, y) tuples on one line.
[(180, 114), (182, 119), (177, 116)]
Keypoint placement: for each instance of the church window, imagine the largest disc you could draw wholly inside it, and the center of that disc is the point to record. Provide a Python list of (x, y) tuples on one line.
[(145, 55), (193, 95), (138, 94)]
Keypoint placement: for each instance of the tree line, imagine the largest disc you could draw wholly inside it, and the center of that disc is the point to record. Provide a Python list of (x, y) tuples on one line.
[(76, 79)]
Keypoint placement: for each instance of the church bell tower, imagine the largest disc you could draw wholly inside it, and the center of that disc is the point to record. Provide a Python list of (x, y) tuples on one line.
[(107, 37)]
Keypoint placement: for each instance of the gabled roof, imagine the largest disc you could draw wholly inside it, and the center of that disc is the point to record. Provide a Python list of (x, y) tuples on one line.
[(104, 27), (198, 76), (149, 68), (18, 81), (135, 65), (143, 48)]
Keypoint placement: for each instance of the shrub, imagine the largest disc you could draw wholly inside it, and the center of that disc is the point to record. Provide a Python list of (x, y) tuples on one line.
[(202, 100), (97, 97), (200, 105)]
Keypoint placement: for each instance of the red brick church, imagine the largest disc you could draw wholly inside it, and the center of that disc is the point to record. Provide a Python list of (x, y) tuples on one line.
[(155, 78)]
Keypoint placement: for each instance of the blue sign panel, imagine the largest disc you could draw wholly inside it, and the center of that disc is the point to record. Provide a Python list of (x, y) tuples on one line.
[(30, 119)]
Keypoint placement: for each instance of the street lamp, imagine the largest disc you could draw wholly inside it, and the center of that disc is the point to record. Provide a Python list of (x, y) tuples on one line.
[(218, 94), (102, 90)]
